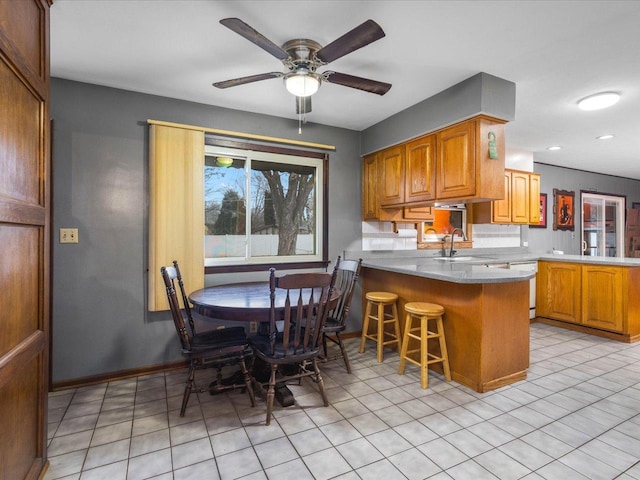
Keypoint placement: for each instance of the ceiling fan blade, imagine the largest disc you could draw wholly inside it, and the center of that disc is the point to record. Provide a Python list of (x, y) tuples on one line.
[(357, 38), (372, 86), (303, 105), (248, 32), (250, 79)]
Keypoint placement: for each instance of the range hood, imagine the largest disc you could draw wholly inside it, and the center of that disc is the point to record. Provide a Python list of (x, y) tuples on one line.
[(450, 206)]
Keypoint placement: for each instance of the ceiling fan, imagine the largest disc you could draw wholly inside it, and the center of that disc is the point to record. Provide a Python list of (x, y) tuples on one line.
[(302, 57)]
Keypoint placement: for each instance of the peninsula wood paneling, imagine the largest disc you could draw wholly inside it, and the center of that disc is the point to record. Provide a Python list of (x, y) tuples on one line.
[(486, 324)]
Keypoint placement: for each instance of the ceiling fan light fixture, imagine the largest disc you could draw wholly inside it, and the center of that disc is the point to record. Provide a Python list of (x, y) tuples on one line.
[(302, 83), (599, 101)]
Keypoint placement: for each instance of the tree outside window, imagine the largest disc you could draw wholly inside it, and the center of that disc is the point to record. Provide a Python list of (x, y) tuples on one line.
[(281, 213)]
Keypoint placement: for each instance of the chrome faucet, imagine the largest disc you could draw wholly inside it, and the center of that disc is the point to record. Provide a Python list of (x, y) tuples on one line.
[(452, 252)]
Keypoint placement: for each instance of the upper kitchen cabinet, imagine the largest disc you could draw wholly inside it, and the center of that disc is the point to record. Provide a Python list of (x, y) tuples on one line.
[(384, 188), (450, 165), (464, 167), (391, 165), (520, 204), (420, 178), (371, 173), (369, 187)]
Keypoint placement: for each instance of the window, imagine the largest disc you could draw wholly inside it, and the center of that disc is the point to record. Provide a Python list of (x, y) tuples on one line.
[(602, 224), (263, 207)]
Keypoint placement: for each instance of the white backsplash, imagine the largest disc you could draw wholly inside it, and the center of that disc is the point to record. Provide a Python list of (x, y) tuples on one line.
[(380, 236)]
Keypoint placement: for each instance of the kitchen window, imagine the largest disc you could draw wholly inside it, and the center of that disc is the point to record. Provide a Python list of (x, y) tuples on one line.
[(263, 208), (179, 229)]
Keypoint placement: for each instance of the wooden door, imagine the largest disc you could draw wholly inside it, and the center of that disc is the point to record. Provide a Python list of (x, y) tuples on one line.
[(534, 198), (501, 209), (391, 176), (559, 291), (420, 180), (369, 188), (24, 236), (603, 299), (519, 197), (455, 164), (418, 213)]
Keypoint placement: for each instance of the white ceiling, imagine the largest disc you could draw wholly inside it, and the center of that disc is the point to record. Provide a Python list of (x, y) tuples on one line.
[(556, 52)]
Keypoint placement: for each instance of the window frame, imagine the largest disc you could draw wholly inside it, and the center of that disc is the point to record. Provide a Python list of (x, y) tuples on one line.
[(213, 141)]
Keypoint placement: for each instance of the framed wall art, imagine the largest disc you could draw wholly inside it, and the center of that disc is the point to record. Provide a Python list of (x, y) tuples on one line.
[(543, 212), (563, 209)]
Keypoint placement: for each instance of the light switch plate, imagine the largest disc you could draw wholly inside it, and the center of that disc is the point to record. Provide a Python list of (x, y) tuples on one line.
[(68, 235)]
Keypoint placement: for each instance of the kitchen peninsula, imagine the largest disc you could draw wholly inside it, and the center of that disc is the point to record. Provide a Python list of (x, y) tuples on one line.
[(486, 318)]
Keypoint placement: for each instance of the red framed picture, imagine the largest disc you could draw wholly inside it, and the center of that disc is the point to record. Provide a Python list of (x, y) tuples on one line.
[(563, 209), (543, 212)]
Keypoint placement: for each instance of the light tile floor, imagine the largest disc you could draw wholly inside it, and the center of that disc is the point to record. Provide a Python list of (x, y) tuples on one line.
[(577, 416)]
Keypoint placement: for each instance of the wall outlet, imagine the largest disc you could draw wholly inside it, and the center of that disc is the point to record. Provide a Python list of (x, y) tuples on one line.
[(253, 327), (68, 235)]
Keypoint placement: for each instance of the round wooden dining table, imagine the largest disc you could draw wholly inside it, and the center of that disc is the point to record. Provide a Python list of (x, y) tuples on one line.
[(243, 302)]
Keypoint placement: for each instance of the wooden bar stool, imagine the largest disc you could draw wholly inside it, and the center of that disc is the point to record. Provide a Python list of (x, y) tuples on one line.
[(424, 312), (381, 300)]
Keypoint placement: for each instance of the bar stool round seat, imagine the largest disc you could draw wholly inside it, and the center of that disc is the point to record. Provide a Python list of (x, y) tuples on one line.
[(381, 301), (424, 312)]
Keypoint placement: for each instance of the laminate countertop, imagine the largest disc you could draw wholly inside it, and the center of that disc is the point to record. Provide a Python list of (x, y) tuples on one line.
[(491, 268)]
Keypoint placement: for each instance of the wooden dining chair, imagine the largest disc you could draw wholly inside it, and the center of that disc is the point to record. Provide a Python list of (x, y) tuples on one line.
[(295, 332), (211, 349), (348, 272)]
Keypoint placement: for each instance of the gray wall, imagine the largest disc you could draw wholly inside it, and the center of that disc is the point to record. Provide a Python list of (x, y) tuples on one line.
[(481, 93), (100, 322), (543, 240)]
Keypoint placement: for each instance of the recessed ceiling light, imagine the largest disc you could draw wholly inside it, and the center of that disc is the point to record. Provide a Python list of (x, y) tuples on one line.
[(599, 101), (554, 148), (604, 137)]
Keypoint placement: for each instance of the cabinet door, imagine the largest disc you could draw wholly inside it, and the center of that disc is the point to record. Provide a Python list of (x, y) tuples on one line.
[(455, 164), (559, 291), (501, 209), (534, 198), (391, 176), (519, 197), (418, 213), (369, 188), (420, 182), (603, 303)]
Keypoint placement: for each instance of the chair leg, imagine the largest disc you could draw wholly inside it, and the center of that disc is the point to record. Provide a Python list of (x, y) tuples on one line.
[(187, 389), (424, 351), (271, 393), (380, 346), (320, 382), (443, 351), (405, 344), (365, 326), (247, 381), (324, 345), (344, 352)]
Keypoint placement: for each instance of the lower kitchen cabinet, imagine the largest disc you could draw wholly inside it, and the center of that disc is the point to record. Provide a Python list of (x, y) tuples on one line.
[(603, 302), (591, 298), (558, 287)]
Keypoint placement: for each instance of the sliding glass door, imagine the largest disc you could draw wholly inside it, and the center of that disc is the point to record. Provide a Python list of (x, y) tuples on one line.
[(602, 225)]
